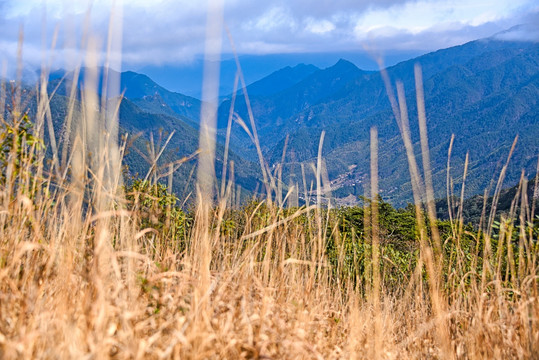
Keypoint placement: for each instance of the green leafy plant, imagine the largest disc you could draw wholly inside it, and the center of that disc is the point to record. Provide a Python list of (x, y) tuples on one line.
[(157, 209), (18, 146)]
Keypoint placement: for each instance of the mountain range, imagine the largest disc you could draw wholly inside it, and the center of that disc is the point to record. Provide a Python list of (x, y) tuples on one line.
[(148, 114), (186, 77), (484, 92)]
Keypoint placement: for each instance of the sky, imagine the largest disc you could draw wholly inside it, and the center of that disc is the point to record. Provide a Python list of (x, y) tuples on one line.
[(161, 32)]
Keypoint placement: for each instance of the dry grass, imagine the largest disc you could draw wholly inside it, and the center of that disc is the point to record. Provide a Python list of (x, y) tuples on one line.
[(79, 277), (66, 294)]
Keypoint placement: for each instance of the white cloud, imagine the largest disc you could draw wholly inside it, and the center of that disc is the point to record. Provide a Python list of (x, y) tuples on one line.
[(528, 32), (416, 17), (319, 26), (274, 18), (264, 47)]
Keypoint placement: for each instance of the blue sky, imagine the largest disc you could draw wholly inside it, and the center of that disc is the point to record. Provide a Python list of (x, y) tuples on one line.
[(173, 31)]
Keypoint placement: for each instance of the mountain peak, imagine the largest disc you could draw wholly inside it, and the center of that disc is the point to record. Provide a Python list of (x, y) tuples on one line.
[(342, 66), (129, 75), (301, 66), (342, 63)]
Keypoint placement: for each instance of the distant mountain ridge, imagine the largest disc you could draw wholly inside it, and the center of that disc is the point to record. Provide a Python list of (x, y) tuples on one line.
[(486, 92), (149, 113), (273, 110), (186, 78), (280, 80), (143, 125), (140, 89)]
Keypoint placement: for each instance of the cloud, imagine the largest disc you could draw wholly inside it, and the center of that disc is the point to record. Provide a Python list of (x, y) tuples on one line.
[(173, 31), (528, 31), (519, 33), (319, 26), (273, 19), (416, 17), (323, 8)]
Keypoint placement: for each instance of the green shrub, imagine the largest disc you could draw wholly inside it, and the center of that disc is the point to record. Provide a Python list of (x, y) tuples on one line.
[(157, 209)]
